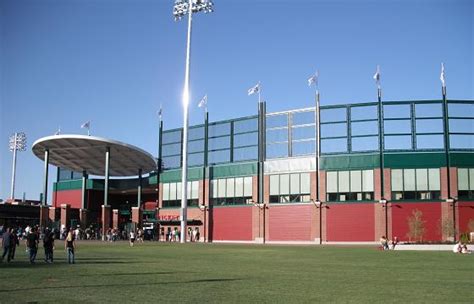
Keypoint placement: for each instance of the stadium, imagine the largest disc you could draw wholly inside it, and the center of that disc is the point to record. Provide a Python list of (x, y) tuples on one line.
[(282, 178)]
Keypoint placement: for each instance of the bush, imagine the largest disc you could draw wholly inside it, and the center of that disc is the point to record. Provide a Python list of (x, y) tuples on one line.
[(416, 226)]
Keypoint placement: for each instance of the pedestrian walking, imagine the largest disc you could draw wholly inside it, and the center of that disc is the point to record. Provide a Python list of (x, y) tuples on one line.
[(48, 245), (6, 244), (32, 240), (70, 247), (14, 242)]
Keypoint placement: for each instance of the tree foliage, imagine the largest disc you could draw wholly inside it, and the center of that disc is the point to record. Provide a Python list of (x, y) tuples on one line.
[(416, 226)]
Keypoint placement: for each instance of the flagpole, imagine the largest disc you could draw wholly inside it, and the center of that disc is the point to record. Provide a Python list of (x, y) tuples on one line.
[(318, 169), (447, 147)]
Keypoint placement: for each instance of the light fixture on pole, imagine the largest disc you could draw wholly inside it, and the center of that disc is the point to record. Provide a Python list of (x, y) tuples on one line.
[(182, 8), (17, 143)]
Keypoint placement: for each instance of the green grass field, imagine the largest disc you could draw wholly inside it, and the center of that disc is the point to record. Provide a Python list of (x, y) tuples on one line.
[(217, 273)]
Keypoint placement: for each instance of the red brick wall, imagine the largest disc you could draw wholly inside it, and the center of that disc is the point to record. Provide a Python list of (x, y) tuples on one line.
[(290, 223), (232, 223), (350, 222), (466, 213), (431, 216), (150, 205), (70, 197)]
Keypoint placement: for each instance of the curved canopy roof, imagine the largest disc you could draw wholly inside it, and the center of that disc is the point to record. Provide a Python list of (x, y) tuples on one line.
[(81, 152)]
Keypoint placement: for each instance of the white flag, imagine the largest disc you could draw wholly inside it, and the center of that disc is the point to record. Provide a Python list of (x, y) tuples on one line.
[(86, 125), (160, 112), (254, 89), (58, 131), (313, 79), (377, 76), (203, 102), (442, 76)]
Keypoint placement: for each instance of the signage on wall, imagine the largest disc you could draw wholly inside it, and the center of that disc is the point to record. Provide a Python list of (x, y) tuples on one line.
[(168, 217)]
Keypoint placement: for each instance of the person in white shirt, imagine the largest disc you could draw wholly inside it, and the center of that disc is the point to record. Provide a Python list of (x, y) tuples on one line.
[(457, 248), (132, 238)]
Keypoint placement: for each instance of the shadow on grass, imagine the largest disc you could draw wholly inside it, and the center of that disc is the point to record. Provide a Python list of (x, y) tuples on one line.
[(126, 274), (57, 262), (118, 285)]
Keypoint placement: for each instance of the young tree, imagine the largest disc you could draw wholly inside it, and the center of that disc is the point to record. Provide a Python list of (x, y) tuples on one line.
[(446, 227), (416, 226), (470, 225)]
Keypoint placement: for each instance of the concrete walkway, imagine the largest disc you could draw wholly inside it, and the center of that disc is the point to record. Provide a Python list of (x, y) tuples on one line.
[(434, 247)]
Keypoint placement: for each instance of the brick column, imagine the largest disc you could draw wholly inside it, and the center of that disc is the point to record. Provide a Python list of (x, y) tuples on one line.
[(52, 214), (105, 219), (137, 215), (204, 202), (115, 218), (83, 217), (44, 216), (65, 214)]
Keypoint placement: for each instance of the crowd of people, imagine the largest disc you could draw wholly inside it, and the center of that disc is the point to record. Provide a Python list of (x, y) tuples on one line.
[(461, 248), (32, 236), (388, 244)]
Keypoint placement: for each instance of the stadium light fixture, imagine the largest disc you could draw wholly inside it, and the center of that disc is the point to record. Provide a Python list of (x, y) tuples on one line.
[(182, 8), (17, 142)]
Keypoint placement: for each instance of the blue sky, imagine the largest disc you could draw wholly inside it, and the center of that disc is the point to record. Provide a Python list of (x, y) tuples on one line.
[(114, 61)]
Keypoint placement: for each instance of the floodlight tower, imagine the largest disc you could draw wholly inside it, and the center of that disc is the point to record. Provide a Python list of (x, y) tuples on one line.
[(182, 8), (17, 143)]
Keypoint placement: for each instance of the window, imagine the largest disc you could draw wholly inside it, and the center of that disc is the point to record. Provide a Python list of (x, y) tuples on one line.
[(416, 184), (466, 183), (290, 188), (231, 191), (172, 194), (355, 185)]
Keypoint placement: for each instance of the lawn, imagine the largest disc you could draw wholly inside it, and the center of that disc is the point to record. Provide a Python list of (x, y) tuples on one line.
[(217, 273)]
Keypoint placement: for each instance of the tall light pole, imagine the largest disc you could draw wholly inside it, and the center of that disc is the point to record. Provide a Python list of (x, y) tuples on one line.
[(182, 8), (17, 143)]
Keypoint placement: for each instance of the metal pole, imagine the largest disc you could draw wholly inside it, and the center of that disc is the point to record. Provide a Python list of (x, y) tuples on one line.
[(84, 185), (318, 169), (106, 180), (382, 167), (318, 150), (447, 146), (184, 171), (206, 143), (46, 171), (261, 160), (159, 163), (12, 196), (139, 192)]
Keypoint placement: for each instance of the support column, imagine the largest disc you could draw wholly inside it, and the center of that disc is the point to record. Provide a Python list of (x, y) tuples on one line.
[(45, 185), (106, 180), (44, 216), (52, 214), (84, 187), (139, 192), (65, 215), (105, 206), (105, 220), (83, 219), (115, 218), (137, 215)]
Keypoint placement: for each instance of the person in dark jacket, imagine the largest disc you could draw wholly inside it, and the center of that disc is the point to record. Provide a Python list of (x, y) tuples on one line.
[(6, 244), (32, 240), (14, 242), (48, 245)]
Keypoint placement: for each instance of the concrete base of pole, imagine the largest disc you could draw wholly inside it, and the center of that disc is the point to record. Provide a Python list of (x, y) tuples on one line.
[(105, 220), (43, 216), (115, 218), (137, 215), (52, 214), (83, 217), (65, 215)]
